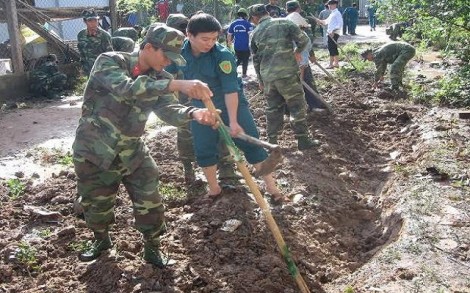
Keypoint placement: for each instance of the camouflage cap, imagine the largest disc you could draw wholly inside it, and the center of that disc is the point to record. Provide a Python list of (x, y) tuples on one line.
[(170, 40), (178, 21), (256, 10), (293, 4), (89, 14)]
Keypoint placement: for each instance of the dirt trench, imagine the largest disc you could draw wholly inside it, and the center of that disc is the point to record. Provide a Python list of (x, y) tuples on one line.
[(335, 224)]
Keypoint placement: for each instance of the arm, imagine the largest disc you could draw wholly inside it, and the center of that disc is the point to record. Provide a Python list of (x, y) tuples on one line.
[(298, 36), (231, 102), (110, 73)]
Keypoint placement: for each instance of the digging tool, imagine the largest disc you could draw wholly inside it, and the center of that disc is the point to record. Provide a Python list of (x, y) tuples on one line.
[(325, 103), (275, 155), (293, 270), (332, 77)]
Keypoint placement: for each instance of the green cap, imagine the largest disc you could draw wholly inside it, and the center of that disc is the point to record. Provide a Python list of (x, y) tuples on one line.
[(257, 9), (170, 40), (178, 21), (89, 14), (242, 10), (293, 4)]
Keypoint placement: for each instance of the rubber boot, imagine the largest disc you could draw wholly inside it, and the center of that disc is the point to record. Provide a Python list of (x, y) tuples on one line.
[(189, 176), (153, 255), (102, 242), (304, 143)]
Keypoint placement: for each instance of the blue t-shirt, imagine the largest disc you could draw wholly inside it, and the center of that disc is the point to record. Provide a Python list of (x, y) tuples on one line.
[(240, 30)]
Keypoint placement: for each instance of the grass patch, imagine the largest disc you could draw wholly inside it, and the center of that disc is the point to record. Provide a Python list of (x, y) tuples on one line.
[(27, 256), (45, 233), (54, 156), (170, 192), (80, 246), (16, 188)]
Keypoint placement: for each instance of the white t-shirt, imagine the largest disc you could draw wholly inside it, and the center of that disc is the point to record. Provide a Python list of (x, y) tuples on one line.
[(296, 18)]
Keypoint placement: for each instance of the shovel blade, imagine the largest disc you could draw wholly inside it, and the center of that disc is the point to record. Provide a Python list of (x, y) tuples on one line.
[(269, 165)]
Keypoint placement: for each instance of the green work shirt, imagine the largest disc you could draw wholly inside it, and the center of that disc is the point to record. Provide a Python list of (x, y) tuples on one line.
[(116, 107), (273, 50)]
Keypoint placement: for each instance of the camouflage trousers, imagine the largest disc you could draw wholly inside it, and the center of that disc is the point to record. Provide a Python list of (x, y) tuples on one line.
[(282, 92), (49, 85), (98, 188), (398, 66)]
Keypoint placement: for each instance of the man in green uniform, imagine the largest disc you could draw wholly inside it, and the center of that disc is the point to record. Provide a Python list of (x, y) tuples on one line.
[(395, 53), (46, 80), (92, 41), (215, 64), (122, 90), (184, 137), (276, 66)]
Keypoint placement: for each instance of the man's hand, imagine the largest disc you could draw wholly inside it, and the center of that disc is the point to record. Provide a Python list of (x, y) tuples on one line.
[(235, 129), (194, 89), (205, 117)]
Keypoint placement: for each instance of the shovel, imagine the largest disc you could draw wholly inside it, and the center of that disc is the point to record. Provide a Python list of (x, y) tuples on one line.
[(285, 252), (274, 158)]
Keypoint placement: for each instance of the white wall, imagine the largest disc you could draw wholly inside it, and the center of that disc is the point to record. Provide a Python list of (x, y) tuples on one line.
[(70, 3)]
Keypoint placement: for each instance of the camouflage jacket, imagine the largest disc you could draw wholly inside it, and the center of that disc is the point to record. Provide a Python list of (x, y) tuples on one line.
[(128, 32), (90, 47), (272, 48), (387, 54), (116, 107), (123, 44)]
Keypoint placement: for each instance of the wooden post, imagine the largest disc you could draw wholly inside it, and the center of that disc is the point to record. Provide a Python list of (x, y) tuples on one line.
[(113, 15), (15, 39)]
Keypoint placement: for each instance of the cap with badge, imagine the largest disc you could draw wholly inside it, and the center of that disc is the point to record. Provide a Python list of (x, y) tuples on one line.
[(256, 10), (89, 14), (170, 40), (293, 4)]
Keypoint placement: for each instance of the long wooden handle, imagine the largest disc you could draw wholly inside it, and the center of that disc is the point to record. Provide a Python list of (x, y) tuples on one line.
[(265, 209)]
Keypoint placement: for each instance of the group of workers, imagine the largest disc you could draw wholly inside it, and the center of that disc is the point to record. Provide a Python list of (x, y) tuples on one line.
[(178, 67)]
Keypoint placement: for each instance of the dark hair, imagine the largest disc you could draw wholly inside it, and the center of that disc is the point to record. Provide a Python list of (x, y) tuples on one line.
[(203, 23), (242, 14), (354, 4)]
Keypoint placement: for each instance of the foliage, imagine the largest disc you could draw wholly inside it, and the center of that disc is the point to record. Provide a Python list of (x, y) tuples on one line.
[(454, 88), (79, 84), (444, 24), (16, 188), (27, 256), (44, 233), (170, 192), (80, 246), (128, 6)]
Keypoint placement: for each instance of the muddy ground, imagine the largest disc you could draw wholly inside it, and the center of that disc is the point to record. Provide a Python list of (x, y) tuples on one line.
[(381, 206)]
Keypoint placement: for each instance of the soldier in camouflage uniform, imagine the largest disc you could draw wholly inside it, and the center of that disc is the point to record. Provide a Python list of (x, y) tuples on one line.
[(123, 44), (396, 53), (92, 41), (46, 80), (276, 66), (128, 32), (122, 90)]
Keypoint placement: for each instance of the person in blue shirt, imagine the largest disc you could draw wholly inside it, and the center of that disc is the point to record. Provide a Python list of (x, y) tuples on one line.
[(238, 33), (371, 10), (215, 65), (351, 19)]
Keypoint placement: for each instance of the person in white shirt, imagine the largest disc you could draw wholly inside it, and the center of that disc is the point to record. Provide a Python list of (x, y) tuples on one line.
[(334, 24)]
